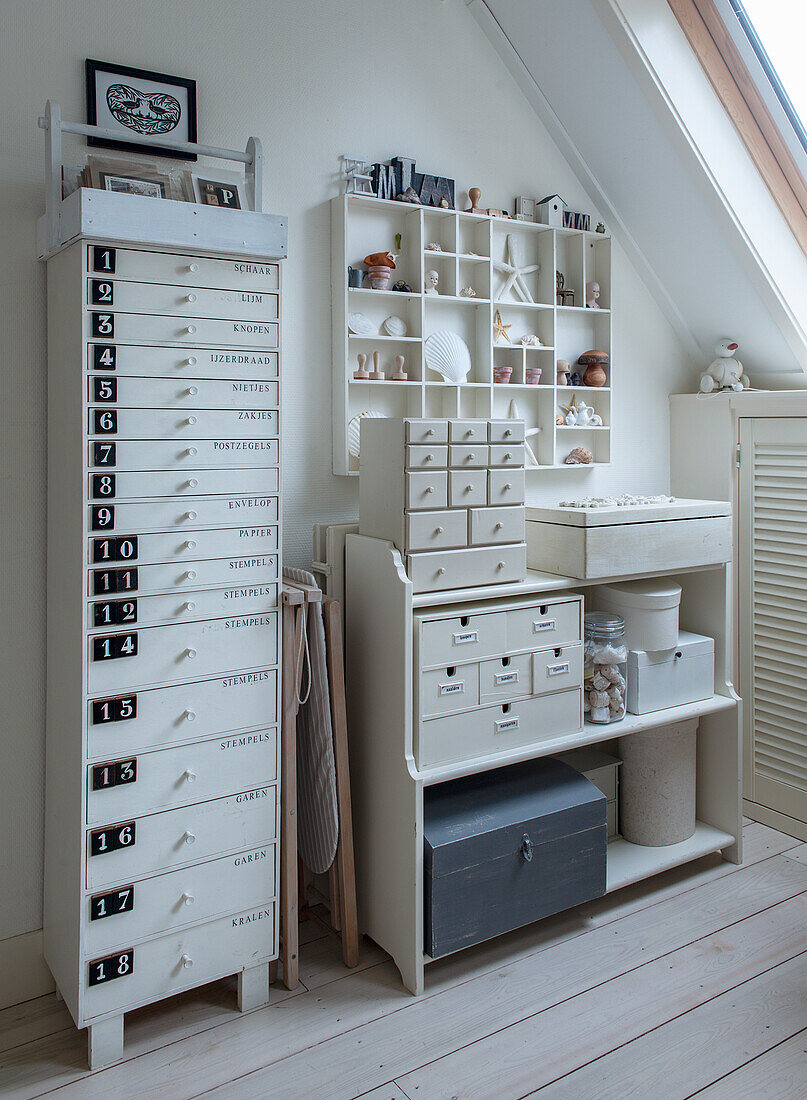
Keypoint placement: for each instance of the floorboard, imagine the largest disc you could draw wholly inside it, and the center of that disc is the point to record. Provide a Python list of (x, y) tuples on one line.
[(781, 1074)]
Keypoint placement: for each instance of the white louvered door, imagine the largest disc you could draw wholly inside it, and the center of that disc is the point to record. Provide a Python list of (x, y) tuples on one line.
[(773, 612)]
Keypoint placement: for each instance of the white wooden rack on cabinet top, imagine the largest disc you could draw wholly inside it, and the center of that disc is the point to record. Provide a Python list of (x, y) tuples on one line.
[(471, 247)]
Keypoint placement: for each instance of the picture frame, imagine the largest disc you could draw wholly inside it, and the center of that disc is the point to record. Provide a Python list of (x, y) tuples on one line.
[(131, 177), (216, 188), (138, 101)]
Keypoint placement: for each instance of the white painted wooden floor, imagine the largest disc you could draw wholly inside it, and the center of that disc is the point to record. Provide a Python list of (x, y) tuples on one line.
[(694, 983)]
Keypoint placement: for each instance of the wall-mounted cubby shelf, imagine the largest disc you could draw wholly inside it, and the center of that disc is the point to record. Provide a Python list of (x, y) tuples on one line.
[(472, 245)]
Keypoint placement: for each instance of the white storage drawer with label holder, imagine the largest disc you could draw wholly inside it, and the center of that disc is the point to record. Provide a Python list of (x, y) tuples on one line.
[(164, 644)]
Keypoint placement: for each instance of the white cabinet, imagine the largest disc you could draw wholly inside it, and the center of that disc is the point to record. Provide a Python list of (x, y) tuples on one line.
[(163, 624)]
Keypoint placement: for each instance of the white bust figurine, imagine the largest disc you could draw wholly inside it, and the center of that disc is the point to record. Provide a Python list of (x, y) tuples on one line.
[(592, 294), (432, 279)]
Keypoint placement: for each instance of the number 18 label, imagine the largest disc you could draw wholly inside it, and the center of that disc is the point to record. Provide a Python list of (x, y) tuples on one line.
[(111, 967)]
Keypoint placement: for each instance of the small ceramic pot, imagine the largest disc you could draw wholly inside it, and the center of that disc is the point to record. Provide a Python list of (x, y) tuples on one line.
[(379, 277), (502, 374), (532, 375)]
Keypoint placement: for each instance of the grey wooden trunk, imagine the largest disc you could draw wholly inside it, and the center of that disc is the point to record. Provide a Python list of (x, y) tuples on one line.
[(479, 834)]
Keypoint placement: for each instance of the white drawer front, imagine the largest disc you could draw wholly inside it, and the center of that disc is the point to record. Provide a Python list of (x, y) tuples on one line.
[(165, 267), (466, 568), (189, 834), (505, 678), (462, 638), (182, 652), (172, 546), (136, 720), (507, 454), (155, 454), (468, 431), (193, 363), (187, 482), (467, 488), (183, 960), (426, 431), (436, 530), (426, 490), (134, 328), (557, 669), (446, 690), (188, 576), (191, 394), (426, 458), (190, 424), (185, 607), (178, 898), (248, 305), (180, 776), (184, 515), (495, 525), (462, 457), (500, 728), (506, 431), (506, 487), (545, 624)]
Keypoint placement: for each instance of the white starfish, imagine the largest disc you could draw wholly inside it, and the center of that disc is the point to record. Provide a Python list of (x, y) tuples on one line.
[(514, 414), (515, 274)]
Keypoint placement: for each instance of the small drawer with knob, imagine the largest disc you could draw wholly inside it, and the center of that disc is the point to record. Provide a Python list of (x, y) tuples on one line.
[(111, 422), (182, 607), (110, 327), (105, 487), (426, 431), (437, 530), (506, 431), (441, 570), (463, 457), (157, 454), (131, 911), (557, 669), (121, 722), (507, 454), (426, 490), (186, 519), (234, 377), (184, 576), (468, 431), (108, 292), (139, 265), (125, 392), (495, 525), (467, 488), (183, 959), (188, 834), (505, 487), (140, 783), (178, 546), (420, 457)]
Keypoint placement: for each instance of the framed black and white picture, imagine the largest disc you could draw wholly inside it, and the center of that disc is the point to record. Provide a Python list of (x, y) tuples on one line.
[(136, 101), (216, 188)]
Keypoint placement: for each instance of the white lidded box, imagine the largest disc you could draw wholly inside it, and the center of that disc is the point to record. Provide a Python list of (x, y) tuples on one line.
[(672, 677), (649, 608)]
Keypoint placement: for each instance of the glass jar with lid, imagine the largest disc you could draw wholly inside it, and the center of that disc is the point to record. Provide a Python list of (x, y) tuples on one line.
[(606, 667)]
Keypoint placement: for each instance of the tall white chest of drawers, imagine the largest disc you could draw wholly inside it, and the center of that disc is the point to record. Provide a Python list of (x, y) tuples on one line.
[(163, 626)]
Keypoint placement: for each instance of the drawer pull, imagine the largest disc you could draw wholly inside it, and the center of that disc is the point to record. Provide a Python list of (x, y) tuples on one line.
[(498, 526), (189, 838), (189, 777), (188, 899), (189, 606), (190, 515), (190, 654), (192, 391), (429, 488), (191, 420), (430, 431), (507, 487), (191, 482), (508, 432), (507, 456), (191, 574), (469, 488), (186, 961), (190, 297), (429, 458), (439, 530), (190, 544), (191, 329), (189, 715), (191, 361), (193, 267), (440, 571), (191, 451), (526, 848), (501, 565)]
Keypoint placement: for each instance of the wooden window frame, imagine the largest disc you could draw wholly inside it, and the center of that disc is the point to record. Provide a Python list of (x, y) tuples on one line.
[(735, 87)]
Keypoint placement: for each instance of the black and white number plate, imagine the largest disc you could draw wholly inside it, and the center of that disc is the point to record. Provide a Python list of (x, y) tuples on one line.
[(114, 774), (114, 613), (111, 967), (104, 259), (112, 903), (111, 647), (123, 548), (112, 838), (119, 709)]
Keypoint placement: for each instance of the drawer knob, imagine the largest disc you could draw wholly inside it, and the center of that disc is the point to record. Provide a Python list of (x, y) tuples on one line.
[(188, 899), (191, 329), (186, 961), (440, 571), (429, 458), (430, 431), (190, 654), (189, 838), (498, 526), (192, 390), (191, 451), (192, 483), (469, 433), (429, 488), (507, 433), (189, 777), (193, 267), (190, 297), (469, 488), (190, 715), (190, 544), (190, 606), (191, 361), (191, 420), (500, 565), (191, 574), (526, 848), (439, 530), (507, 487), (190, 515), (507, 456)]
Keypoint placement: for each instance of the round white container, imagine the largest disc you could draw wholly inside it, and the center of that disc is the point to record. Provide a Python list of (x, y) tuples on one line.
[(657, 785), (649, 608)]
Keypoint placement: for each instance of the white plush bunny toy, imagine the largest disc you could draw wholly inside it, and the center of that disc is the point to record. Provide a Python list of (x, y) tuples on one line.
[(725, 372)]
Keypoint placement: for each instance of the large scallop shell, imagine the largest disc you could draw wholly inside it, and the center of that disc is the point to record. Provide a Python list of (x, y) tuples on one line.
[(394, 326), (447, 354), (360, 325), (354, 430)]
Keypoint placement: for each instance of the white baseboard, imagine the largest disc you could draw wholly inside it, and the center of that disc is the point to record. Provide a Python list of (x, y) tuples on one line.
[(23, 971), (774, 820)]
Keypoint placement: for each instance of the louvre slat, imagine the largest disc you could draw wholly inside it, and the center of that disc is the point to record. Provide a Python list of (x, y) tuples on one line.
[(781, 745)]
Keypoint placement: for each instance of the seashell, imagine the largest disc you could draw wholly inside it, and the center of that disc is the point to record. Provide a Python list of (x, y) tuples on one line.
[(447, 355), (560, 419), (379, 259), (409, 195), (433, 246), (360, 325), (530, 340), (354, 430), (394, 326), (579, 456), (467, 292), (600, 714)]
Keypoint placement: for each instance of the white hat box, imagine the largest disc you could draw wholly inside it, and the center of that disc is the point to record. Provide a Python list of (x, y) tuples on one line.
[(672, 677), (649, 608)]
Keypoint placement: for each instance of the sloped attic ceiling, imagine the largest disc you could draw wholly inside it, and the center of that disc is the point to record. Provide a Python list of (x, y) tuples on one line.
[(702, 277)]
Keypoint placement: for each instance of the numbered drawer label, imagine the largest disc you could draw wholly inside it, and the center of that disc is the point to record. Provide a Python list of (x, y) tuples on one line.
[(112, 838), (100, 971), (189, 834), (224, 426), (104, 582), (190, 393), (248, 369), (186, 515), (134, 328), (191, 575), (181, 776), (177, 898), (123, 548), (124, 486), (164, 716), (188, 607), (155, 454), (136, 297), (164, 654), (182, 270)]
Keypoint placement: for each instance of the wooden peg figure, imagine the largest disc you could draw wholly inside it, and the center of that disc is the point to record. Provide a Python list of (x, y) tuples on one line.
[(362, 372), (475, 194), (400, 374), (376, 372)]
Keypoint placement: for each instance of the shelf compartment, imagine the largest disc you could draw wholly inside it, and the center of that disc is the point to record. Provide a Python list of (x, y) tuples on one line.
[(597, 266), (372, 227), (597, 440), (377, 309), (627, 863), (440, 227)]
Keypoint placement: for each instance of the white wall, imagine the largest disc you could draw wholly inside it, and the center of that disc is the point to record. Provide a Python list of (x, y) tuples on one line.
[(313, 79)]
